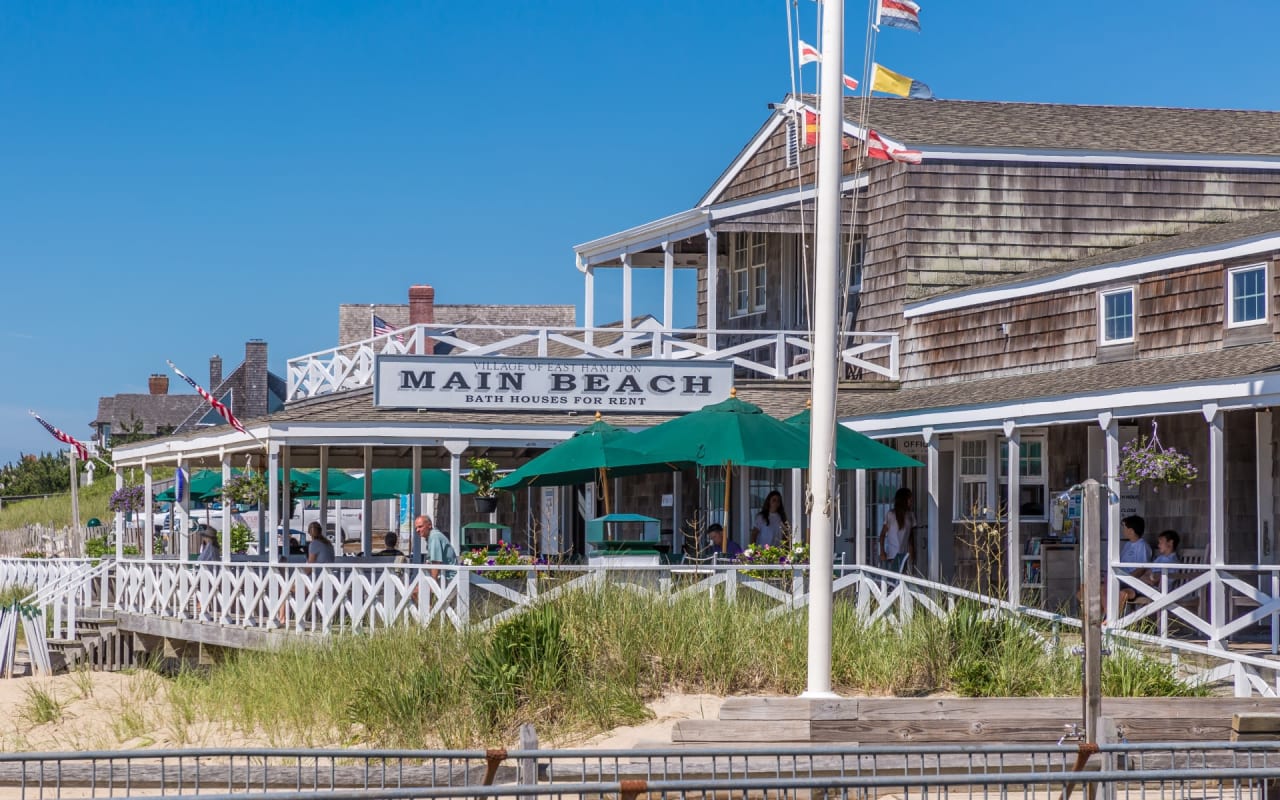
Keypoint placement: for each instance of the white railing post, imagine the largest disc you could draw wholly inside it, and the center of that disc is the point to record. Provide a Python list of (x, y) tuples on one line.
[(780, 355)]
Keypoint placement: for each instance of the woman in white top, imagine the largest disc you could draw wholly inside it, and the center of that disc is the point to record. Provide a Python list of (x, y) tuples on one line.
[(766, 531), (893, 534)]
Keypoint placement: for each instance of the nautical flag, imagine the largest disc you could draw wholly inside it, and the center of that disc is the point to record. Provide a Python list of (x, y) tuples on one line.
[(81, 450), (898, 14), (808, 53), (217, 404), (890, 82), (851, 83), (886, 149), (811, 131), (179, 485)]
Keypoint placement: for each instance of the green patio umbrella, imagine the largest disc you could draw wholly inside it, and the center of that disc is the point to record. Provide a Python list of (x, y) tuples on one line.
[(590, 454), (855, 451), (729, 433), (203, 485), (395, 482), (341, 485)]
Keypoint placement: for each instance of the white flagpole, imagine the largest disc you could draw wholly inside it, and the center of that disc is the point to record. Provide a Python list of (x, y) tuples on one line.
[(825, 351)]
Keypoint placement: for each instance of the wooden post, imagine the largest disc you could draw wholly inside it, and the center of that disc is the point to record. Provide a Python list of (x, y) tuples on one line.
[(527, 770), (1091, 544), (75, 490)]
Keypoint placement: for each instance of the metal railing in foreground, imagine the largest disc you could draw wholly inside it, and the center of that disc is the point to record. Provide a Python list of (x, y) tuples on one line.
[(1184, 770)]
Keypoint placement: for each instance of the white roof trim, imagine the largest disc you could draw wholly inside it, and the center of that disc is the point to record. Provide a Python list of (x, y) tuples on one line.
[(1228, 393), (642, 237), (786, 197), (1106, 273), (736, 166), (1099, 157)]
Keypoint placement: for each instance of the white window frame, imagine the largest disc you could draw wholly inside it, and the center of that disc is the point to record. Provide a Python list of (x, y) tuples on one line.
[(748, 273), (1041, 480), (1231, 297), (1102, 316), (963, 479)]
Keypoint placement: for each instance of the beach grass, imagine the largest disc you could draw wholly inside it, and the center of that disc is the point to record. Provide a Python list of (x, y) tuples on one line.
[(588, 661)]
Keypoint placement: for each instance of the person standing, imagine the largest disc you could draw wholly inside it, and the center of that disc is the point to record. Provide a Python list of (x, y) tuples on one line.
[(436, 548), (893, 534), (766, 531)]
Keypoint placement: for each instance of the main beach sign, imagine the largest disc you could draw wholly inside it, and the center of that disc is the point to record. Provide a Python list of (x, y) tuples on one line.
[(548, 384)]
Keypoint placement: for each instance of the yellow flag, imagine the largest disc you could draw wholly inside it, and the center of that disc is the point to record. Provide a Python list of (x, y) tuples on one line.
[(890, 82)]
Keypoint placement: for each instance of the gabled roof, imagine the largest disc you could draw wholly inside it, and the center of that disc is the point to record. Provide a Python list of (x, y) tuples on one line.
[(1207, 242), (152, 410), (1053, 126)]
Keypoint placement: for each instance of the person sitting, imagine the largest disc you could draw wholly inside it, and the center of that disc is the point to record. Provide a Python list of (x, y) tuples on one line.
[(209, 550), (731, 549), (1166, 553), (390, 550)]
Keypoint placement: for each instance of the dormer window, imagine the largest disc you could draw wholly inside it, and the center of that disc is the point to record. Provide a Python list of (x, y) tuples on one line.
[(1115, 316), (1247, 295)]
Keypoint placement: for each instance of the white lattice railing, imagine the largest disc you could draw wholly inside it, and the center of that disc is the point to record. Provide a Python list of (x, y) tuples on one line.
[(763, 354), (62, 586)]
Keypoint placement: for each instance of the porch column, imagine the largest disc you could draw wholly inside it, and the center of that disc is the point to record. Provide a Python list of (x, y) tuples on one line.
[(148, 514), (119, 521), (668, 285), (796, 506), (271, 537), (1217, 520), (932, 468), (589, 304), (324, 497), (179, 517), (286, 502), (712, 279), (860, 517), (1015, 534), (227, 508), (1111, 429), (366, 528), (455, 448), (626, 291), (415, 504)]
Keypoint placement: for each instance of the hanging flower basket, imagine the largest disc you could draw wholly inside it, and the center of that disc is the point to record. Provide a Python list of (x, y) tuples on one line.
[(1147, 461), (127, 500)]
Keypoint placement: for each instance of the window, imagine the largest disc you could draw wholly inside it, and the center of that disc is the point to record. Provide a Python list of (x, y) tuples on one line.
[(971, 497), (748, 264), (1116, 316), (1247, 295), (1031, 476)]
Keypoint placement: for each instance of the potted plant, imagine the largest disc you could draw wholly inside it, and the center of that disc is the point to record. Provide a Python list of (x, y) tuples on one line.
[(1146, 460), (484, 472)]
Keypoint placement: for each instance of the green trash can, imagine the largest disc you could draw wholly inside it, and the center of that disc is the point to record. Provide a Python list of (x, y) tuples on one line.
[(94, 522)]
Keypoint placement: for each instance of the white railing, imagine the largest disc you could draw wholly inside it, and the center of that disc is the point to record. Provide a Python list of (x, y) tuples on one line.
[(1213, 601), (759, 353), (62, 587)]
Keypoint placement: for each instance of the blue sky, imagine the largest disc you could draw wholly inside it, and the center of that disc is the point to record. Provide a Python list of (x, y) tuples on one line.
[(176, 178)]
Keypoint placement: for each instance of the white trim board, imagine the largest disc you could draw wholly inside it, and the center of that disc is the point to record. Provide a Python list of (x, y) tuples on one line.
[(1092, 276), (1228, 394)]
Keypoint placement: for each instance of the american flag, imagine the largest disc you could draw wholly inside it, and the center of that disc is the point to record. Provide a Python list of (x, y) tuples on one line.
[(381, 328), (80, 448), (217, 404)]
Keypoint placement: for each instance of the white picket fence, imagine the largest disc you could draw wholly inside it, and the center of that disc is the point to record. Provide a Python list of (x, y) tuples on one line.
[(318, 600)]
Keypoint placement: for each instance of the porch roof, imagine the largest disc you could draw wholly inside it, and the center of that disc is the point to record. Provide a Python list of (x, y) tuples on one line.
[(1235, 377)]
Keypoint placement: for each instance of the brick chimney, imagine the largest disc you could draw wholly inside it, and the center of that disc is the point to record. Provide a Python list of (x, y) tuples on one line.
[(254, 398), (215, 372), (158, 383), (422, 305)]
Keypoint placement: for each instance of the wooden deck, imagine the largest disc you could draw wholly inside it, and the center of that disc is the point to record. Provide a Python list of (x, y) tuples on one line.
[(888, 720)]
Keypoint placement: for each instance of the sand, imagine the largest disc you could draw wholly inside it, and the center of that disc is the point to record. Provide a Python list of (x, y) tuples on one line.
[(125, 711)]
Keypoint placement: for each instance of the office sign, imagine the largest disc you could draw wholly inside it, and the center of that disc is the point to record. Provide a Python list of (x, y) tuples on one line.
[(548, 384)]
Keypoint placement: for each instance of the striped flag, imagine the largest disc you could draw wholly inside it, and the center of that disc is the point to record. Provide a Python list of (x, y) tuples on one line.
[(81, 449), (886, 149), (898, 14), (808, 53), (381, 328), (217, 404)]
